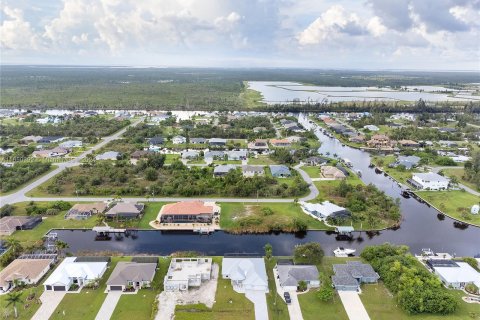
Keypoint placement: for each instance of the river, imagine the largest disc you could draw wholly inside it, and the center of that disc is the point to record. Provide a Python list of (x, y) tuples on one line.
[(422, 227)]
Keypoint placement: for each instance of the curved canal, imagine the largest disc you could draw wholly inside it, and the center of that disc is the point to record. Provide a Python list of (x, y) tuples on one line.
[(422, 227)]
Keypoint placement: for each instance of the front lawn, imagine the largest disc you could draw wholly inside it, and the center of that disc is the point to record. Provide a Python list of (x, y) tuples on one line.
[(27, 308), (261, 160), (454, 203)]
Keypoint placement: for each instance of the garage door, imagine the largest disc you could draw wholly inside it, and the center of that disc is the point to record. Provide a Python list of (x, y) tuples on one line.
[(59, 288), (48, 287), (116, 288)]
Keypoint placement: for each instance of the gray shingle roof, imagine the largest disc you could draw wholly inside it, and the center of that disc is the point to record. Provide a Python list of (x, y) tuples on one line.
[(352, 272), (131, 271), (290, 275)]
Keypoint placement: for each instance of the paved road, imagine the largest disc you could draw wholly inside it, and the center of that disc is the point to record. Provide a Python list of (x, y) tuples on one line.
[(20, 196), (353, 305), (313, 188), (50, 301), (109, 305)]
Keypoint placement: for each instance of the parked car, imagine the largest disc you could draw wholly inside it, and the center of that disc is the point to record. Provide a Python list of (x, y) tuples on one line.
[(286, 295)]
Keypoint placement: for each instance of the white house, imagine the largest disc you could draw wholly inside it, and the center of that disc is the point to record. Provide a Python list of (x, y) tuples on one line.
[(184, 273), (430, 181), (71, 144), (455, 274), (71, 272), (371, 127), (324, 210), (179, 140), (245, 274)]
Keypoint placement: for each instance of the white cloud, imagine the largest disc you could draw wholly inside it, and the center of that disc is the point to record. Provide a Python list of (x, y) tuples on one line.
[(376, 27), (16, 33)]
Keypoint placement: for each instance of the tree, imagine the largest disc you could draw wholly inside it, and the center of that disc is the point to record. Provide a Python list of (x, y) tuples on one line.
[(13, 298), (268, 251), (308, 253), (14, 245), (6, 210), (302, 285), (325, 293), (151, 174), (61, 246)]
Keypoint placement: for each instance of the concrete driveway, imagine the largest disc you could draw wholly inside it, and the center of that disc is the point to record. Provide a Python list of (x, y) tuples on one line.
[(353, 305), (294, 310), (50, 301), (260, 303), (108, 305)]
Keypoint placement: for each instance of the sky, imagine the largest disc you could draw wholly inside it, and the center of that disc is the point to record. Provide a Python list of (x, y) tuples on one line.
[(341, 34)]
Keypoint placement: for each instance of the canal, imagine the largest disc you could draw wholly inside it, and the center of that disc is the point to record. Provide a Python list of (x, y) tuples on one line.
[(422, 226)]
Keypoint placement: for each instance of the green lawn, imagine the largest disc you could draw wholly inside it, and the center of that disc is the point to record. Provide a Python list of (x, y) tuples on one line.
[(381, 305), (140, 305), (169, 158), (261, 160), (229, 305), (85, 305), (459, 172), (233, 211), (454, 203), (312, 171), (151, 212), (26, 309)]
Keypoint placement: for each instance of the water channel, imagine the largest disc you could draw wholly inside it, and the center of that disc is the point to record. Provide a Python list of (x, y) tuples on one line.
[(422, 227)]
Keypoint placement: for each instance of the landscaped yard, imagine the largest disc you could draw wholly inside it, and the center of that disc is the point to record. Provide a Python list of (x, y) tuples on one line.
[(26, 309), (233, 214), (454, 203), (312, 171), (261, 160)]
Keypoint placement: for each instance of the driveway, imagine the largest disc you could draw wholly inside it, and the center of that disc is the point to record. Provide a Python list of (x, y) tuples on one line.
[(260, 303), (108, 305), (353, 305), (294, 310), (50, 301)]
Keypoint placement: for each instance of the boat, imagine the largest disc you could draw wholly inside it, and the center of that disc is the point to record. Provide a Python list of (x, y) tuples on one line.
[(359, 173), (343, 252), (371, 165), (406, 194), (378, 170), (347, 162)]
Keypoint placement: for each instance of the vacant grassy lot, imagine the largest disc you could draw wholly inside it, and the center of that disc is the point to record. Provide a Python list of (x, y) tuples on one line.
[(455, 203), (459, 172), (381, 305), (261, 160), (233, 213)]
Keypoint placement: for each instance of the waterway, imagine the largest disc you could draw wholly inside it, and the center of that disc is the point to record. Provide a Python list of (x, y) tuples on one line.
[(422, 226)]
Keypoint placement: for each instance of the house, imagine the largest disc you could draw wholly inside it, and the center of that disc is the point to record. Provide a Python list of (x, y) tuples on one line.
[(325, 210), (455, 274), (160, 117), (184, 273), (280, 143), (349, 276), (259, 129), (198, 140), (188, 212), (408, 162), (290, 275), (217, 142), (315, 161), (109, 155), (179, 140), (430, 181), (30, 139), (10, 224), (460, 158), (129, 274), (156, 141), (72, 272), (140, 154), (223, 170), (447, 143), (125, 210), (26, 271), (339, 128), (50, 153), (475, 209), (209, 156), (246, 274), (330, 172), (237, 155), (192, 154), (250, 171), (71, 144), (357, 139), (50, 139), (447, 130), (280, 171), (82, 211), (408, 143), (379, 141), (371, 127), (258, 145)]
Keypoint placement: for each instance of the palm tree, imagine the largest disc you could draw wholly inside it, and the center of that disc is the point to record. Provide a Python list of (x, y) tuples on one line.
[(14, 245), (12, 299), (61, 245)]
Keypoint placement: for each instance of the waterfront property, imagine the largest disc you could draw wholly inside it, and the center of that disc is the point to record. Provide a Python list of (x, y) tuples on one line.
[(280, 171), (72, 272), (349, 276), (25, 271), (188, 212), (245, 273), (290, 275), (280, 143), (82, 211), (129, 274), (259, 145), (454, 274), (125, 210), (10, 224), (325, 210), (429, 181), (329, 172), (184, 273)]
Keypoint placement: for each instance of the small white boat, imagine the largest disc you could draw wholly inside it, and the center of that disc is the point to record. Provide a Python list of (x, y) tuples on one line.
[(343, 252), (347, 162)]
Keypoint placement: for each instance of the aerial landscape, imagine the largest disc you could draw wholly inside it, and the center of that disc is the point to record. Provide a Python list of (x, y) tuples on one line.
[(240, 160)]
